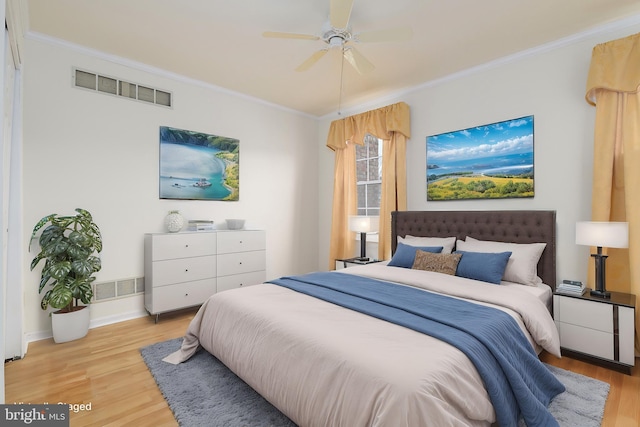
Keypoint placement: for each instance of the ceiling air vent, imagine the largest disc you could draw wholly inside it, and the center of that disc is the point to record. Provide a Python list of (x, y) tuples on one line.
[(89, 80)]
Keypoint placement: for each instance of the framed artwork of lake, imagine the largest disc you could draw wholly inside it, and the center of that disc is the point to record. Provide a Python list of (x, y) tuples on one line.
[(493, 161), (198, 166)]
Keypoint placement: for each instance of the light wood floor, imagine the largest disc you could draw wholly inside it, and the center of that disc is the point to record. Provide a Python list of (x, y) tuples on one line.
[(106, 370)]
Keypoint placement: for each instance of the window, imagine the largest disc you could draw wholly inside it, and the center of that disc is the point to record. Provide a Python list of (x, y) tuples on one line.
[(369, 175)]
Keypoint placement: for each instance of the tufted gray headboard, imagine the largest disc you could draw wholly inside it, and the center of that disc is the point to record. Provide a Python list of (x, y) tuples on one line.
[(535, 226)]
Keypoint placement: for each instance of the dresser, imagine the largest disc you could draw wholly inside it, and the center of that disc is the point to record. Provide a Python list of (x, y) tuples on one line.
[(596, 329), (184, 269)]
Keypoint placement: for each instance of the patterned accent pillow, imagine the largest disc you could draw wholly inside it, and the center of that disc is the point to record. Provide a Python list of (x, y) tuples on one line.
[(440, 263)]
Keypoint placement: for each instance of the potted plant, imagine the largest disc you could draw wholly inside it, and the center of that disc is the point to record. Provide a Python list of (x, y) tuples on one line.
[(70, 246)]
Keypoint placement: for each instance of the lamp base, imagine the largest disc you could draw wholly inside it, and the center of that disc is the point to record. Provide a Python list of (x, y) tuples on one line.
[(600, 290), (600, 294)]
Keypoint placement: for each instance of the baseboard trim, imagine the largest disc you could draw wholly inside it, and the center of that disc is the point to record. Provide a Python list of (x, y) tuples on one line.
[(94, 323)]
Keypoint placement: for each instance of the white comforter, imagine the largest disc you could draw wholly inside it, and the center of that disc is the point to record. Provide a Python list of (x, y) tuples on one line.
[(324, 365)]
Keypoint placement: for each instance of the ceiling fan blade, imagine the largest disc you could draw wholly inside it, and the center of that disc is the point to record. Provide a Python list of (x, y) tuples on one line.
[(339, 13), (312, 60), (276, 34), (389, 35), (358, 61)]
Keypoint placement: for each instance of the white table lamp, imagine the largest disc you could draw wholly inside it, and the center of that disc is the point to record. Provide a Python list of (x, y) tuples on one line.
[(363, 224), (602, 234)]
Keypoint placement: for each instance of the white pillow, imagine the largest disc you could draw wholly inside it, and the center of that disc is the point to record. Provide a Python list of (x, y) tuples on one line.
[(447, 243), (523, 263)]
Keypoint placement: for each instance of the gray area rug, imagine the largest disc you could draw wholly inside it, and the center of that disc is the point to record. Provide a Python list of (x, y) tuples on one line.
[(204, 392)]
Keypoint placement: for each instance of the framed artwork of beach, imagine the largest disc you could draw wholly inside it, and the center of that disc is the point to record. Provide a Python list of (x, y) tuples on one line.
[(493, 161), (198, 166)]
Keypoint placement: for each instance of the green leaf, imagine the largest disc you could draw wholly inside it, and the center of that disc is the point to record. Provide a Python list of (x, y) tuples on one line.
[(77, 252), (45, 299), (55, 247), (96, 263), (36, 260), (84, 213), (60, 296), (43, 281), (60, 269), (82, 267), (83, 291), (52, 232), (79, 239), (39, 225)]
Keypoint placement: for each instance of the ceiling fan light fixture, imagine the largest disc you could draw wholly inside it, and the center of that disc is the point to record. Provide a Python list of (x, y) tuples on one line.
[(335, 41)]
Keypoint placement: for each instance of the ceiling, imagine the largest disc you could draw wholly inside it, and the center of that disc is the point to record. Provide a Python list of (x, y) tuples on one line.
[(220, 42)]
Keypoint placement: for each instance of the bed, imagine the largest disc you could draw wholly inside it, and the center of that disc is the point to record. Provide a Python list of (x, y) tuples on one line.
[(337, 349)]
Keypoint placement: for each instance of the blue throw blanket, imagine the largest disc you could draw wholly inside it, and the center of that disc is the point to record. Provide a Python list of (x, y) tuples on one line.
[(515, 379)]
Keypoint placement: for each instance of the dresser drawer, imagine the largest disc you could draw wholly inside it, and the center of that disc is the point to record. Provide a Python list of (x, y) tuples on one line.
[(241, 262), (589, 314), (183, 270), (589, 341), (240, 280), (182, 295), (240, 241), (182, 245)]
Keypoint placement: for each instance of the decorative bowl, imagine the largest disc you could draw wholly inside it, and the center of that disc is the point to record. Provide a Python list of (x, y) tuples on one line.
[(235, 224)]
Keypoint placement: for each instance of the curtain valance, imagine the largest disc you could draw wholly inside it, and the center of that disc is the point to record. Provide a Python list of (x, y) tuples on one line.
[(615, 66), (381, 123)]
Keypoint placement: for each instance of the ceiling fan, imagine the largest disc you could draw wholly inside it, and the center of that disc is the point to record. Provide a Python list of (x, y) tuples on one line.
[(337, 34)]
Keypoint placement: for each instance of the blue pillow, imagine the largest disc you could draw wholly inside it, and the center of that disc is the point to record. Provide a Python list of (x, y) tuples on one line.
[(487, 267), (405, 254)]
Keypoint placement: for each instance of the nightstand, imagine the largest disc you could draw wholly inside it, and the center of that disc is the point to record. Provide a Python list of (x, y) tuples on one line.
[(350, 262), (597, 330)]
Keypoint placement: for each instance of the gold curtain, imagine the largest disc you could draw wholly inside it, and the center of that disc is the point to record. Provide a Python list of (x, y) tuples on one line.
[(613, 87), (392, 125)]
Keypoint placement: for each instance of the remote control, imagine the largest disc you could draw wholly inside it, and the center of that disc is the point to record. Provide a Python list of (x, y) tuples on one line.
[(572, 282)]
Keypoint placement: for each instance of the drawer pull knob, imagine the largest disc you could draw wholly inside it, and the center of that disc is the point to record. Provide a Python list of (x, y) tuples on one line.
[(186, 295), (240, 262), (186, 246), (186, 269), (241, 284), (240, 241)]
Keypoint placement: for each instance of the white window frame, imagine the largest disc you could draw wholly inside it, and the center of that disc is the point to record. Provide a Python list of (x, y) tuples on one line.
[(373, 237)]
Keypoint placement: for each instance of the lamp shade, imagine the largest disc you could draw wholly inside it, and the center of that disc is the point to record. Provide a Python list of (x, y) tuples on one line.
[(364, 224), (603, 234)]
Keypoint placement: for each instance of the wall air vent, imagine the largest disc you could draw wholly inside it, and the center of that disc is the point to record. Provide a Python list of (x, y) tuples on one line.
[(117, 289), (114, 86)]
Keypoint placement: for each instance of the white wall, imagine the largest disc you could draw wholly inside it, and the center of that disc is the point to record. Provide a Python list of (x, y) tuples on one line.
[(548, 83), (100, 152)]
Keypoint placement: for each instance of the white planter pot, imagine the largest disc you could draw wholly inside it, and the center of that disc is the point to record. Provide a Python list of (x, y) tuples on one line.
[(70, 326)]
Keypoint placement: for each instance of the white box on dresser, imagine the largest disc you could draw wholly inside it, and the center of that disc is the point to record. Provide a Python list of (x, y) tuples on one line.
[(184, 269), (599, 330)]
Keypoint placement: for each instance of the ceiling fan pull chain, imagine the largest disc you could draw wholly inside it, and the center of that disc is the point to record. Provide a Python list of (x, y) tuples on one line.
[(341, 82)]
